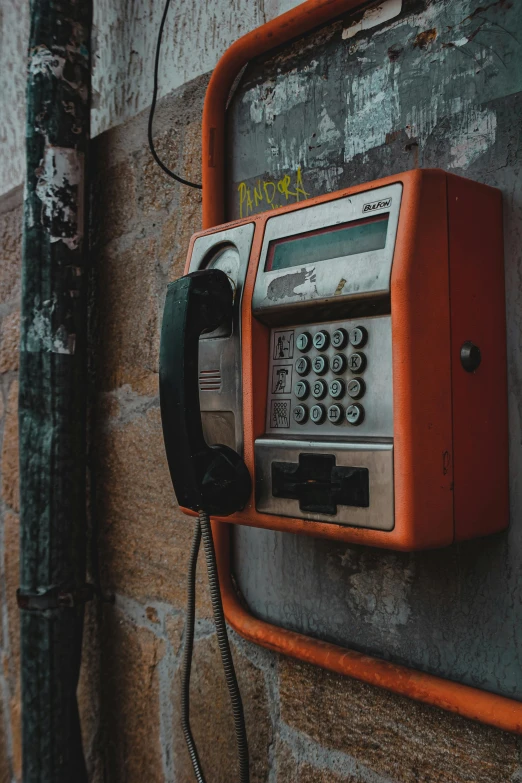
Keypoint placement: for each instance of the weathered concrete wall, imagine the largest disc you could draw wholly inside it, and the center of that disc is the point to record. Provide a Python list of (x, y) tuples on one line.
[(125, 33), (304, 724)]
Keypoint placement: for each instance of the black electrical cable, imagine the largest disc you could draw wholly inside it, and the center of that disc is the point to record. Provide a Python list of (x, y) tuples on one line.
[(224, 648), (204, 529), (187, 655), (153, 108)]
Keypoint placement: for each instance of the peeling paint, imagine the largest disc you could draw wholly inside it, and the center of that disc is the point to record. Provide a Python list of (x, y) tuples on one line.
[(424, 39), (374, 16), (477, 135), (373, 109), (59, 177), (327, 131), (124, 41), (39, 336), (42, 60), (383, 597), (268, 100)]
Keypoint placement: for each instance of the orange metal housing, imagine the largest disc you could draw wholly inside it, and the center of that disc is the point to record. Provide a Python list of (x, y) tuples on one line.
[(445, 304), (447, 273)]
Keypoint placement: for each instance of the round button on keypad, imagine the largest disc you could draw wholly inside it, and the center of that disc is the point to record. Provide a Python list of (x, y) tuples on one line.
[(302, 365), (321, 340), (320, 365), (317, 414), (356, 388), (339, 339), (355, 414), (303, 342), (338, 363), (335, 414), (300, 414), (357, 362), (302, 390), (319, 389), (358, 336), (336, 389)]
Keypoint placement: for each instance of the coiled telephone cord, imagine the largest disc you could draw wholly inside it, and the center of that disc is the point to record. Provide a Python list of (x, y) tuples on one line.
[(203, 529)]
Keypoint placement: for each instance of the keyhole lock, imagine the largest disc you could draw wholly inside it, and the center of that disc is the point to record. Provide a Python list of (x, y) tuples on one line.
[(470, 356)]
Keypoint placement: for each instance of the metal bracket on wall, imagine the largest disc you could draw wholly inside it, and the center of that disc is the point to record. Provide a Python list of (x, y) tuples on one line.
[(54, 598), (469, 702), (58, 597)]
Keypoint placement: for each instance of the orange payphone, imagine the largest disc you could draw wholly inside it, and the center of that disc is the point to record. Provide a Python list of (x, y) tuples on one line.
[(361, 373), (337, 368)]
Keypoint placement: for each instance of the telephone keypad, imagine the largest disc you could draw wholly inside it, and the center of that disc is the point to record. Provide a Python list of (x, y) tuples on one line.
[(302, 390), (317, 414), (330, 367), (320, 365), (319, 389), (302, 365)]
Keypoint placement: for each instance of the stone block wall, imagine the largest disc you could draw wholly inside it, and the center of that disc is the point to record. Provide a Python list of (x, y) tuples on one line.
[(304, 724)]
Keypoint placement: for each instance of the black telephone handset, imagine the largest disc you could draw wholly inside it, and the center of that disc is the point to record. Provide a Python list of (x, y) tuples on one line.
[(212, 478), (208, 479)]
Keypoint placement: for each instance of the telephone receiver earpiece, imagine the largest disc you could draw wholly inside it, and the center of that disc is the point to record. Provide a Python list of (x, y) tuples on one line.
[(212, 478)]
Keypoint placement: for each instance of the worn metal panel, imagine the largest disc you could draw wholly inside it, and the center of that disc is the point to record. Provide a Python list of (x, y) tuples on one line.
[(438, 85)]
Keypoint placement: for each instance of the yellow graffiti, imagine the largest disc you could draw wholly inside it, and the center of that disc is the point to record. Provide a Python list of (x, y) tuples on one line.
[(271, 194)]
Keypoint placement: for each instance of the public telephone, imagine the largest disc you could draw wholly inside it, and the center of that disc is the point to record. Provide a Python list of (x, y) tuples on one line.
[(348, 355)]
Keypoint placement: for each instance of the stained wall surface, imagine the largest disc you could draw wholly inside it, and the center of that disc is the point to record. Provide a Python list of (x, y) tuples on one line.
[(304, 724)]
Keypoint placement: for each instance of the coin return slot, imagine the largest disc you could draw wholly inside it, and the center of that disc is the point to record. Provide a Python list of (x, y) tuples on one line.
[(319, 484)]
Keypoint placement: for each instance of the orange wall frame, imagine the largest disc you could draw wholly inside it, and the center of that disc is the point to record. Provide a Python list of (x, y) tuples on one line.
[(499, 711)]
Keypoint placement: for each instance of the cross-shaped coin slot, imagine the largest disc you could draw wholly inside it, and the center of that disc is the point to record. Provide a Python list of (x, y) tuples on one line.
[(319, 484)]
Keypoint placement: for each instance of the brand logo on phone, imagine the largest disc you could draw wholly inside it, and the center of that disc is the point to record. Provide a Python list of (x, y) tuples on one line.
[(385, 202)]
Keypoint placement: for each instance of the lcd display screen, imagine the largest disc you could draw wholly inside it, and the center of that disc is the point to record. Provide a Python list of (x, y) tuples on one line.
[(312, 247)]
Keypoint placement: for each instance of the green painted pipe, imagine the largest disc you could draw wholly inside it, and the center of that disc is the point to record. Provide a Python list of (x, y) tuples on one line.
[(53, 380)]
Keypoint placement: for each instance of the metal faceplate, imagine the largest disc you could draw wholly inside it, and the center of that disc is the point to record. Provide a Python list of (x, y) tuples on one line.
[(376, 457), (368, 442), (336, 280), (220, 388), (329, 395)]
